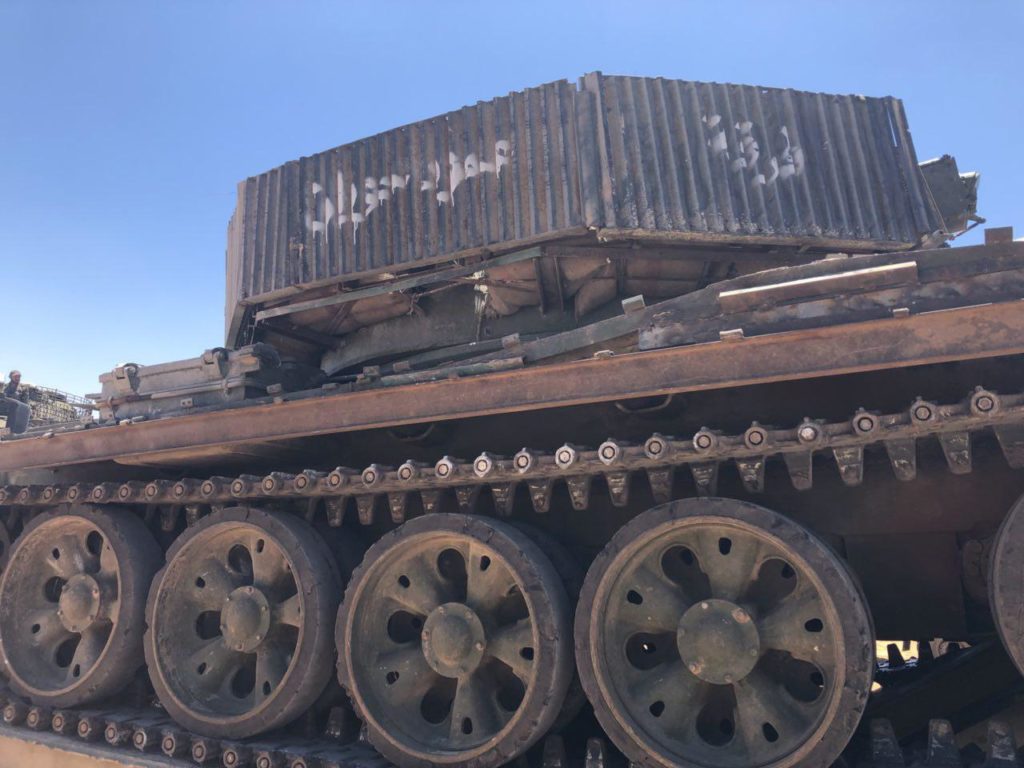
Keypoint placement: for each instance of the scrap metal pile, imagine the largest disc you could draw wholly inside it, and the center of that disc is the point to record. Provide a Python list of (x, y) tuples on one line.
[(589, 425)]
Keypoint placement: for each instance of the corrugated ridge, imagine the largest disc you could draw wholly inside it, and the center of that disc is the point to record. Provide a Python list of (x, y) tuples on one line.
[(640, 157)]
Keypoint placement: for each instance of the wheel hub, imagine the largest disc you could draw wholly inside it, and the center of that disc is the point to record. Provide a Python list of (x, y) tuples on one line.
[(245, 619), (80, 602), (718, 641), (453, 640)]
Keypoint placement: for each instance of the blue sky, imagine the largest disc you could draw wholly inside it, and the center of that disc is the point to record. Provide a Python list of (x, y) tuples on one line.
[(125, 126)]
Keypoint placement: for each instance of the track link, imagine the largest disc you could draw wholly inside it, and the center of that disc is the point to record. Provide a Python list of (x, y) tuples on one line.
[(704, 454), (152, 733)]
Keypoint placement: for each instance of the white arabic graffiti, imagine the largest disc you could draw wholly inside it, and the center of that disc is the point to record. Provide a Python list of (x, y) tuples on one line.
[(761, 169), (353, 202)]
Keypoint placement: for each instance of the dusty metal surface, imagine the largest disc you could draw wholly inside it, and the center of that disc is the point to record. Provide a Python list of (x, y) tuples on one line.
[(722, 160), (960, 334), (625, 157)]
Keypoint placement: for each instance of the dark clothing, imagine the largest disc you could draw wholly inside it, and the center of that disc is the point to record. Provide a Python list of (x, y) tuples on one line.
[(11, 390), (17, 414)]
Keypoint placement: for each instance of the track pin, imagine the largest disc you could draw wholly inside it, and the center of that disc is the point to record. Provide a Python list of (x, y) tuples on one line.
[(155, 490), (308, 481), (610, 451), (705, 440), (339, 477), (864, 422), (185, 490), (235, 756), (657, 447), (374, 475), (39, 718), (277, 483), (447, 468), (215, 488), (173, 742), (984, 403), (131, 491), (118, 732), (64, 722), (203, 750), (566, 456), (90, 726), (484, 464), (245, 485), (409, 470), (756, 437), (104, 492), (922, 412), (14, 712)]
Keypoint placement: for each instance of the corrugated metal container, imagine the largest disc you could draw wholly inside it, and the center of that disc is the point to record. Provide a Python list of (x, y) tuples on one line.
[(630, 157)]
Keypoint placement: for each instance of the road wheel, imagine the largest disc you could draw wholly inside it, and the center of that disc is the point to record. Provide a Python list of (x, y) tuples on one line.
[(454, 642), (716, 632), (1006, 574), (240, 619), (72, 602)]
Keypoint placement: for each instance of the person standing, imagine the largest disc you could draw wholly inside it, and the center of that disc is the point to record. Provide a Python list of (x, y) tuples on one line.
[(13, 382), (13, 405)]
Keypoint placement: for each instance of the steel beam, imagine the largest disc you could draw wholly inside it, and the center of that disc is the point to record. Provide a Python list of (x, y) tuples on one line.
[(989, 330)]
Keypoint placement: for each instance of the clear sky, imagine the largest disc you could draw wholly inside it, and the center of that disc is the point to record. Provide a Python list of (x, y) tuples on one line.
[(125, 126)]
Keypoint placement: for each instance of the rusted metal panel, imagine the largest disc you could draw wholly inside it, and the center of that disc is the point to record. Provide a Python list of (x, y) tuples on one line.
[(626, 156), (721, 161), (968, 333)]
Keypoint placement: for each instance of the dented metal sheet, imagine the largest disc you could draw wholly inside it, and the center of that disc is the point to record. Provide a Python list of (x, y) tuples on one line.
[(627, 157), (718, 161)]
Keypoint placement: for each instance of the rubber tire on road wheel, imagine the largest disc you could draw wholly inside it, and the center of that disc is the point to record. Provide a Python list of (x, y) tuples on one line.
[(848, 695), (315, 573), (138, 556), (541, 584)]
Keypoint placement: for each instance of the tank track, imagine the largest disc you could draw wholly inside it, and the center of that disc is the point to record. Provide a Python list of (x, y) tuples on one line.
[(378, 488), (658, 458), (152, 733)]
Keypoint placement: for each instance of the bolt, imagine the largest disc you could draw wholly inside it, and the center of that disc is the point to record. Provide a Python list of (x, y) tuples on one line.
[(985, 403), (229, 758), (248, 590), (95, 591), (728, 678), (753, 652), (425, 635), (741, 616), (263, 609), (808, 433), (258, 638), (655, 447), (755, 437), (692, 666), (441, 611), (479, 645), (703, 440), (865, 423), (922, 412), (238, 647), (704, 606)]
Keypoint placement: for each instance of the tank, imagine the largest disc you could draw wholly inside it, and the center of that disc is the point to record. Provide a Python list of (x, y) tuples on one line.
[(635, 420)]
